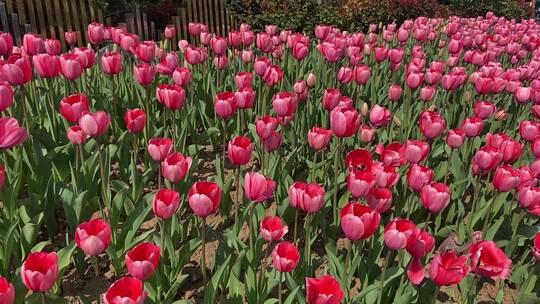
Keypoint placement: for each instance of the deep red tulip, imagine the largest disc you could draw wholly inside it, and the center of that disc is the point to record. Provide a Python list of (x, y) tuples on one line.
[(46, 66), (224, 105), (400, 233), (432, 124), (135, 120), (76, 135), (126, 290), (142, 260), (489, 260), (39, 271), (418, 176), (7, 292), (182, 76), (447, 268), (171, 96), (240, 150), (144, 74), (308, 197), (6, 96), (326, 290), (272, 228), (506, 178), (93, 237), (175, 167), (285, 257), (257, 187), (165, 203), (359, 221), (11, 134), (204, 198), (95, 124)]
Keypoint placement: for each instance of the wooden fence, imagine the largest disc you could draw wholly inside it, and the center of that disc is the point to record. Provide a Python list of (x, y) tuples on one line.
[(52, 18)]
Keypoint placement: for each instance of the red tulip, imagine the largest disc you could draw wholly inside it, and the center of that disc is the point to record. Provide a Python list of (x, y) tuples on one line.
[(74, 106), (52, 46), (144, 74), (435, 197), (243, 80), (39, 271), (240, 150), (6, 96), (418, 176), (511, 150), (415, 271), (432, 124), (145, 51), (448, 268), (182, 76), (135, 120), (11, 134), (536, 247), (359, 159), (111, 63), (175, 167), (272, 228), (325, 290), (455, 138), (306, 196), (257, 187), (344, 121), (71, 66), (273, 75), (204, 198), (93, 237), (489, 260), (224, 105), (400, 233), (142, 260), (7, 292), (126, 290), (95, 124), (285, 257), (244, 98), (266, 126), (17, 70), (6, 44), (506, 178), (76, 135), (46, 66), (391, 155), (331, 98), (360, 182), (358, 221), (165, 203), (171, 96), (33, 44), (421, 245)]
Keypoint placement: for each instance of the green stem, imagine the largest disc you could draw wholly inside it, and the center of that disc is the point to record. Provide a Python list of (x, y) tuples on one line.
[(383, 273), (295, 225), (96, 266), (435, 295), (203, 252), (337, 159), (308, 244), (279, 288), (348, 264), (102, 175), (251, 228), (524, 285), (238, 201), (43, 300)]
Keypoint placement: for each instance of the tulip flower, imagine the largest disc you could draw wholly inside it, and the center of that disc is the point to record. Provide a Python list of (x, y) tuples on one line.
[(145, 51), (284, 104), (447, 268), (285, 257), (7, 292), (415, 271), (344, 121), (400, 233), (272, 228), (257, 187), (536, 247), (126, 290), (331, 98), (432, 124), (144, 74), (76, 135), (171, 96), (308, 197), (416, 151), (182, 76), (11, 134), (529, 198), (93, 237), (40, 271), (455, 138), (359, 222), (273, 75), (46, 66), (6, 96), (142, 260), (175, 167), (135, 120), (169, 32), (17, 70), (165, 203), (421, 245), (159, 148), (394, 92), (111, 63), (6, 44), (33, 44), (380, 199), (240, 150), (435, 196), (379, 116), (71, 66), (73, 107), (204, 198), (224, 105), (506, 178), (472, 126), (272, 142), (266, 126), (489, 260), (95, 124), (323, 290)]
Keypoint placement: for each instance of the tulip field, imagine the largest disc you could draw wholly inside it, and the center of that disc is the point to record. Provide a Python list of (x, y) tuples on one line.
[(397, 165)]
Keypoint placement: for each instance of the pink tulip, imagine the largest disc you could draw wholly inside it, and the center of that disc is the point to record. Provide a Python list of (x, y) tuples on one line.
[(418, 176), (243, 80), (285, 257), (484, 109), (76, 135), (71, 66), (144, 74), (17, 70), (266, 126), (175, 167), (142, 260), (11, 134), (331, 98), (529, 130), (111, 63), (7, 292), (169, 32), (272, 228), (224, 105), (53, 46), (472, 126), (96, 33), (182, 76), (284, 104), (6, 96), (506, 178), (244, 98), (435, 197), (46, 66), (273, 75), (33, 44), (308, 197), (318, 138), (239, 150), (6, 44), (432, 124), (145, 51), (415, 271), (455, 138), (74, 106), (95, 124), (379, 116), (416, 151), (93, 237), (87, 57), (171, 96), (159, 148), (344, 121), (400, 233), (258, 188), (394, 92), (380, 199), (135, 120), (39, 271)]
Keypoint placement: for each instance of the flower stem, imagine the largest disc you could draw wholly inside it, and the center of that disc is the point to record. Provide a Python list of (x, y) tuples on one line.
[(295, 226), (337, 158), (96, 266), (383, 273), (279, 288), (251, 229), (203, 251), (308, 245)]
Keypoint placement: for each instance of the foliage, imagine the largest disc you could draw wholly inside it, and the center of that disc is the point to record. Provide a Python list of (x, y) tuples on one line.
[(511, 9)]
